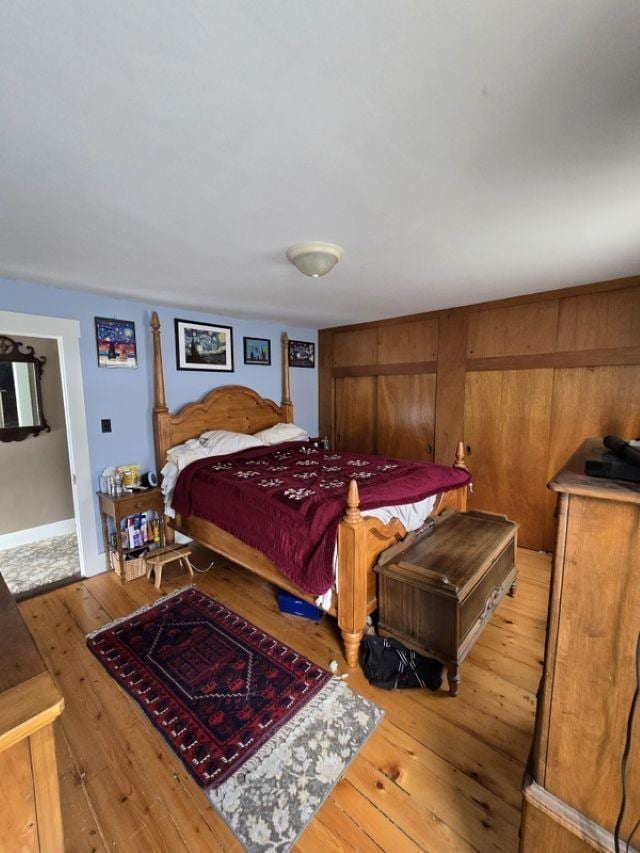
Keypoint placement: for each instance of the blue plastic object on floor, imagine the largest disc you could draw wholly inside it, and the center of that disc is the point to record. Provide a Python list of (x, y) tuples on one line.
[(297, 607)]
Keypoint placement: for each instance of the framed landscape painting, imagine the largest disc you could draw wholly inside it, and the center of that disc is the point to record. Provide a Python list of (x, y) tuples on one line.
[(116, 342), (203, 346), (257, 351), (302, 354)]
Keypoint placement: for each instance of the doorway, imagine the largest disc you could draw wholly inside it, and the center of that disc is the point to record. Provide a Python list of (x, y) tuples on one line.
[(48, 532), (38, 540)]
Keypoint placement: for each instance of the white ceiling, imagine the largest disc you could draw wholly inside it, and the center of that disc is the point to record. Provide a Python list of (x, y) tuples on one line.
[(459, 151)]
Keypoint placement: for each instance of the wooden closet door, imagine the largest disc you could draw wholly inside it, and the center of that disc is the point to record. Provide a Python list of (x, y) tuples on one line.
[(587, 402), (506, 425), (406, 416), (355, 413)]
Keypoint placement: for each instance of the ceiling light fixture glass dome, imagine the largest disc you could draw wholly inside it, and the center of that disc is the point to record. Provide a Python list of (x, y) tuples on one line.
[(315, 258)]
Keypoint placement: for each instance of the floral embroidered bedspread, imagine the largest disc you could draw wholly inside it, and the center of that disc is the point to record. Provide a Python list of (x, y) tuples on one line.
[(287, 500)]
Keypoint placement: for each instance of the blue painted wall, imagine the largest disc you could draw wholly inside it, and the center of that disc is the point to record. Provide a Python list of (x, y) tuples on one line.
[(126, 396)]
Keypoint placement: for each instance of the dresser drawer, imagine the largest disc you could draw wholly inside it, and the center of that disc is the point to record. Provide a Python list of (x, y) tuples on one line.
[(139, 503)]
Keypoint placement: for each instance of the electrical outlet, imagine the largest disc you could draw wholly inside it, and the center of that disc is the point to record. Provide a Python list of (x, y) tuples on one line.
[(105, 424)]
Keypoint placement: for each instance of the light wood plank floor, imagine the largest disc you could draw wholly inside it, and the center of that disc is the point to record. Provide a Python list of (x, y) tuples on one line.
[(439, 774)]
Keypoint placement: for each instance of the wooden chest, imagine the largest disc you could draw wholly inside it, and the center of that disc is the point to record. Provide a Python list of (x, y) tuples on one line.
[(436, 594)]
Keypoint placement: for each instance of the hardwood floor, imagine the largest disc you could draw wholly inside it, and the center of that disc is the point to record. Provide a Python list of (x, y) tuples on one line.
[(438, 774)]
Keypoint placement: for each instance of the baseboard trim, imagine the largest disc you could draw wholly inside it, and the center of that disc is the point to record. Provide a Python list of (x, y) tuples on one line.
[(96, 566), (37, 534)]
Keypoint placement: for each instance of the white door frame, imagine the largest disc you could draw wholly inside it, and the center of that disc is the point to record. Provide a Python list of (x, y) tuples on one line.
[(67, 334)]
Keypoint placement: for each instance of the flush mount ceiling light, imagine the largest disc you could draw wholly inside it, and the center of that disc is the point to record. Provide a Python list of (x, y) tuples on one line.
[(314, 258)]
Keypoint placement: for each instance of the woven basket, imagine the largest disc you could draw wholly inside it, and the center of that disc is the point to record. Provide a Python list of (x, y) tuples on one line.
[(128, 570)]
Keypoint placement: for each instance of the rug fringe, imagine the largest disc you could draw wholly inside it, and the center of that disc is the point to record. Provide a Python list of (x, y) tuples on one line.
[(294, 728), (137, 612)]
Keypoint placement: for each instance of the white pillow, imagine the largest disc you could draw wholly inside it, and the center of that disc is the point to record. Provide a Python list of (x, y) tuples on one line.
[(282, 432), (189, 444), (219, 442), (184, 454)]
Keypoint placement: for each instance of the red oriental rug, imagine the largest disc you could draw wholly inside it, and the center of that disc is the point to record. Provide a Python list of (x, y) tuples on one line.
[(264, 730)]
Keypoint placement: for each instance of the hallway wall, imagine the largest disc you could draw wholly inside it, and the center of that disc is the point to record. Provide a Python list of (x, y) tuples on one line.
[(35, 472)]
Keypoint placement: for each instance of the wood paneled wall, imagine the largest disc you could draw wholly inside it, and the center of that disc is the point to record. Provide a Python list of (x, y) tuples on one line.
[(522, 381)]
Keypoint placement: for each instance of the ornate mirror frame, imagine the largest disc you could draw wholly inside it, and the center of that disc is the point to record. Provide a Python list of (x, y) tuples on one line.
[(12, 351)]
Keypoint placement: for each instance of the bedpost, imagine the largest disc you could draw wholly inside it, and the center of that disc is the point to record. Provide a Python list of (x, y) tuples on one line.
[(160, 410), (161, 416), (287, 405), (353, 503), (160, 404), (352, 576), (462, 494), (460, 463)]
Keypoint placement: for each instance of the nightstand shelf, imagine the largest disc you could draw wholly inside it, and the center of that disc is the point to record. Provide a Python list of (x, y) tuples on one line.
[(118, 509)]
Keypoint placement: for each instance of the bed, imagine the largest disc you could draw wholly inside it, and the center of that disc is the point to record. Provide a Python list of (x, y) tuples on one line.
[(360, 537)]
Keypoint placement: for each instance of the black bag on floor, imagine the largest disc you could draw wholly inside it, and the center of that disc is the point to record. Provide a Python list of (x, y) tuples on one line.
[(388, 664)]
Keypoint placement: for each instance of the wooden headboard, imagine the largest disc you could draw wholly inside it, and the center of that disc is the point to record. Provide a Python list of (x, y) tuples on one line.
[(232, 407)]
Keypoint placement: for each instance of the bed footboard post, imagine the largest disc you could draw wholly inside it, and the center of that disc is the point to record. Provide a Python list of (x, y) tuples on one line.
[(352, 576), (460, 463)]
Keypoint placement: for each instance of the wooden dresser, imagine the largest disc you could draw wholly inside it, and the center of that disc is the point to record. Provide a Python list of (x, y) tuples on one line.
[(573, 790), (30, 818)]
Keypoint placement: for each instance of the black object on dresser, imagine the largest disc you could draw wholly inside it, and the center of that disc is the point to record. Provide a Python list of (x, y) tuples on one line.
[(436, 595)]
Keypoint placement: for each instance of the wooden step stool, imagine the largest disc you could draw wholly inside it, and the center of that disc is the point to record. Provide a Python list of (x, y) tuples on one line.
[(159, 558)]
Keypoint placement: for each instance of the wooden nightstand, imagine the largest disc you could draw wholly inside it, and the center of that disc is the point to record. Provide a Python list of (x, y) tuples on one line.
[(118, 509)]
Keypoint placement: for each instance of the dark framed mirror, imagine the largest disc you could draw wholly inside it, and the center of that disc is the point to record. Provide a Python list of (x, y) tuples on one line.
[(21, 411)]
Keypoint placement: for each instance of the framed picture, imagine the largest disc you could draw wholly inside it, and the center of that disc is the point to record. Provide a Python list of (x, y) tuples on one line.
[(116, 342), (302, 354), (257, 350), (203, 346)]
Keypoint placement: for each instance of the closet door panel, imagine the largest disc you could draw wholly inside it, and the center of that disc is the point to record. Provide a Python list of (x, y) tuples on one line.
[(355, 413), (587, 402), (600, 320), (513, 330), (405, 342), (355, 347), (507, 424), (406, 415)]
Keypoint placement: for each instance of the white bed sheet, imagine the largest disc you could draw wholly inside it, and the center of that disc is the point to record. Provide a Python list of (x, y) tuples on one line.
[(412, 517)]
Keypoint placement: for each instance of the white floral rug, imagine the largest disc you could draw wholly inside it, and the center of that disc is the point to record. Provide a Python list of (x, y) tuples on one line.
[(272, 798), (40, 563)]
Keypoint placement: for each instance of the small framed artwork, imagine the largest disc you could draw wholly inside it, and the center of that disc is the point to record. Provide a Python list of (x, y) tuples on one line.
[(257, 351), (116, 342), (302, 354), (203, 346)]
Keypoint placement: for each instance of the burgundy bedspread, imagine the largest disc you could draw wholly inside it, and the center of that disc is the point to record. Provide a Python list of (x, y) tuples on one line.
[(287, 500)]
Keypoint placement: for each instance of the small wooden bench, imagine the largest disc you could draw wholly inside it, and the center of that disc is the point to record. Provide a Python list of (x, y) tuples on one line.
[(437, 594), (161, 557)]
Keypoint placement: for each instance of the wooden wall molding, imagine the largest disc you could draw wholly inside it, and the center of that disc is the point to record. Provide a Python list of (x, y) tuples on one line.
[(581, 358), (400, 369)]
